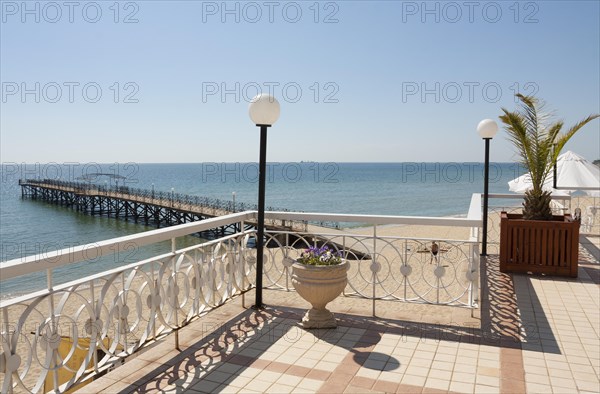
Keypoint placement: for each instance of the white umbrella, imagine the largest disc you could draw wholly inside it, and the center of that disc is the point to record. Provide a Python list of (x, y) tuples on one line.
[(573, 171)]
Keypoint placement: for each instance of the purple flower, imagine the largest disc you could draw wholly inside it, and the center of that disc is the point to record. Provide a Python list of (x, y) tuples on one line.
[(323, 255)]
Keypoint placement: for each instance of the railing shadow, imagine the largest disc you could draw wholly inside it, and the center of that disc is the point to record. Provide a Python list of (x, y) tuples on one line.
[(512, 317), (512, 312), (589, 248), (242, 340)]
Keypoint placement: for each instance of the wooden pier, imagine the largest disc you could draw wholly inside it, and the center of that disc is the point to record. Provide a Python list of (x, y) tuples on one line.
[(162, 209), (159, 209)]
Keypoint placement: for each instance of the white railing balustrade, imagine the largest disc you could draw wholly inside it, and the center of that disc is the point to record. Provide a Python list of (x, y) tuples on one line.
[(66, 334), (91, 324), (385, 268)]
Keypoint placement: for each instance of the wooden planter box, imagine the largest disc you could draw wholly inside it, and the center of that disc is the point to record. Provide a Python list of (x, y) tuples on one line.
[(537, 246)]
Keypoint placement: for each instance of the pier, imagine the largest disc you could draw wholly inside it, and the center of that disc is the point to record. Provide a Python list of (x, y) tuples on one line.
[(149, 207)]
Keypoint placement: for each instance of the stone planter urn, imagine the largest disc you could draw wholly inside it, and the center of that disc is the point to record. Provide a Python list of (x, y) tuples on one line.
[(319, 285)]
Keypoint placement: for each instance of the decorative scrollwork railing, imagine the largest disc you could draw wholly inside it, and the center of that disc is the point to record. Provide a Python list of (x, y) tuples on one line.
[(92, 324), (430, 271), (81, 328)]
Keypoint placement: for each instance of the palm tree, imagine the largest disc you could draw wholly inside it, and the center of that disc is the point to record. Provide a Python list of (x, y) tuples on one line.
[(538, 143)]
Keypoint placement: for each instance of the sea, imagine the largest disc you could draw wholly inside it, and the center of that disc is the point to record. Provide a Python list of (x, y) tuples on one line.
[(30, 227)]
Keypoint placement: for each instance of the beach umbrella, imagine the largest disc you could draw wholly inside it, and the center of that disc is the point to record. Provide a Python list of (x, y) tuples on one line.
[(573, 171)]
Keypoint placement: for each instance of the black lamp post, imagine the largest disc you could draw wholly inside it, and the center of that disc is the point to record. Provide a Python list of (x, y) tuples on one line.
[(487, 129), (264, 112)]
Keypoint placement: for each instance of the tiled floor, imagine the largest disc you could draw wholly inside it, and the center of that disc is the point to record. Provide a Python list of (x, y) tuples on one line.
[(535, 334)]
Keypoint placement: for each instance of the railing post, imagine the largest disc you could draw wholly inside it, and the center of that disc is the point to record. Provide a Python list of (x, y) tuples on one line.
[(153, 307), (51, 298), (5, 330), (98, 330), (504, 237), (476, 272), (174, 288), (345, 255), (287, 273), (406, 250), (437, 256), (54, 328), (232, 266), (243, 263), (373, 264), (123, 323)]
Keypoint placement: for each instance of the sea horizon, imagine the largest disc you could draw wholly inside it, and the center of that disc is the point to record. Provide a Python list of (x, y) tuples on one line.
[(437, 189)]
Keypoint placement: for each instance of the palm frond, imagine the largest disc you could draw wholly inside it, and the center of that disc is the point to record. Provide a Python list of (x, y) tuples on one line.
[(517, 133), (538, 142), (563, 139)]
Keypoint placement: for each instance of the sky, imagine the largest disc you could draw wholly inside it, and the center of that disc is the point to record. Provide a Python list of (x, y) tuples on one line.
[(358, 81)]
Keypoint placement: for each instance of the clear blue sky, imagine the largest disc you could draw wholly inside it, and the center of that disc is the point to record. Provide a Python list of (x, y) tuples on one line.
[(360, 78)]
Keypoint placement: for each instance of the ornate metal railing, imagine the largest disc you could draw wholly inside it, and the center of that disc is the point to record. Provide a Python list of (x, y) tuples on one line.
[(81, 328), (423, 270), (587, 209), (84, 327)]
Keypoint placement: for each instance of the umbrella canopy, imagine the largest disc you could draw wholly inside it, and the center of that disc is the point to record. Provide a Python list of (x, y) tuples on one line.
[(573, 171)]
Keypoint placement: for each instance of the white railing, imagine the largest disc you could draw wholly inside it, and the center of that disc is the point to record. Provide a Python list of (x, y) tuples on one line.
[(81, 328), (84, 327), (588, 206), (424, 270), (387, 267)]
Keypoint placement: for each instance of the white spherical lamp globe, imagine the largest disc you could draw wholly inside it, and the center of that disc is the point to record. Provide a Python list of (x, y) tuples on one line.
[(264, 109), (487, 128)]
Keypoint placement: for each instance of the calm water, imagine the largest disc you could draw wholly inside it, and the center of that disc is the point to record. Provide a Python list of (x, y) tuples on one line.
[(419, 189)]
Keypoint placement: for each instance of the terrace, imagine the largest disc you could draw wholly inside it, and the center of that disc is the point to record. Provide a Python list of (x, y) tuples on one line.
[(409, 320)]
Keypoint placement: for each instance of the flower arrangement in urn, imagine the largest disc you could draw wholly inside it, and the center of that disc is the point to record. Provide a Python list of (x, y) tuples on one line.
[(319, 275), (320, 256)]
